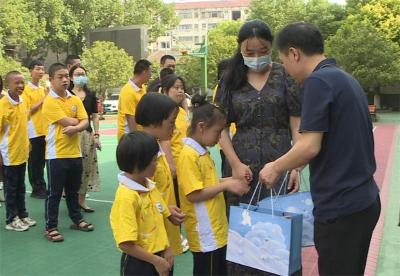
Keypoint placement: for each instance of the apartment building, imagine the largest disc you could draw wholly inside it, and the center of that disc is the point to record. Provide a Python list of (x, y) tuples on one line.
[(196, 18)]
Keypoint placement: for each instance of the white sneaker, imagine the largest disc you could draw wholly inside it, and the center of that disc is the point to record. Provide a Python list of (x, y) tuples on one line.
[(28, 221), (17, 225), (185, 244), (1, 192)]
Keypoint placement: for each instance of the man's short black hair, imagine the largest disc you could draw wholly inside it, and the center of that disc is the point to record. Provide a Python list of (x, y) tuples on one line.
[(304, 36), (165, 57), (135, 151), (70, 59), (54, 68), (141, 66), (35, 63), (154, 108)]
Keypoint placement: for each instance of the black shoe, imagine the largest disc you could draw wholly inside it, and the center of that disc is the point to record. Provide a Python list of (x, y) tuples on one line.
[(39, 195), (87, 210)]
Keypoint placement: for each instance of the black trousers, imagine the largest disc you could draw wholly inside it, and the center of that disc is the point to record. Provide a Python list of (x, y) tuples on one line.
[(130, 266), (14, 191), (36, 164), (63, 174), (343, 243), (211, 263)]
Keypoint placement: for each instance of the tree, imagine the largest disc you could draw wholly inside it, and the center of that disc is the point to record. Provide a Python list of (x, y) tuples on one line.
[(222, 44), (19, 24), (107, 65), (365, 52), (189, 69), (8, 64)]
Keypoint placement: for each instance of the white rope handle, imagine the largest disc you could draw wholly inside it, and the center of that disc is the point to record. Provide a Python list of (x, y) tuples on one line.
[(254, 193)]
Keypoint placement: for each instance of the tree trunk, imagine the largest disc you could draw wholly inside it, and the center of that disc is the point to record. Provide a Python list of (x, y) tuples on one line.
[(377, 97)]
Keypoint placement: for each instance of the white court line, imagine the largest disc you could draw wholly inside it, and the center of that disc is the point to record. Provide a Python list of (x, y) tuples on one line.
[(373, 130), (91, 199)]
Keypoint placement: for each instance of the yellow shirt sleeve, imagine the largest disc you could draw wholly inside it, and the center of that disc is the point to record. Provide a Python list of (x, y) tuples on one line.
[(124, 221), (81, 111), (52, 111), (190, 178), (128, 102)]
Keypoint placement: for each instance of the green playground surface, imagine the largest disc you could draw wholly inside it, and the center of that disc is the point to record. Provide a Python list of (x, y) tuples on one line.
[(95, 253)]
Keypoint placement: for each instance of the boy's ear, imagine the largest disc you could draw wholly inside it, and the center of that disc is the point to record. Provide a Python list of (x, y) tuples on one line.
[(201, 126)]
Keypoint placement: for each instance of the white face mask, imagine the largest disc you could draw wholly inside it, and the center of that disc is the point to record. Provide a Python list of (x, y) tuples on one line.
[(257, 63)]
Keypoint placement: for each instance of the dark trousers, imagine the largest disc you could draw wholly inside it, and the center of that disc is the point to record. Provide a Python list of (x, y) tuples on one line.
[(343, 243), (14, 191), (211, 263), (130, 266), (63, 174), (36, 164)]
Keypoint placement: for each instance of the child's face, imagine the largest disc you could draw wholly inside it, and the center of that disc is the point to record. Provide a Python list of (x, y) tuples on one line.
[(151, 168), (16, 84), (166, 129), (177, 92), (60, 81), (37, 72), (212, 134)]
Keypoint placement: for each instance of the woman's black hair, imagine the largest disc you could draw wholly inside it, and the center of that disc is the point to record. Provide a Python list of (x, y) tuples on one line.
[(1, 84), (169, 81), (204, 111), (154, 108), (136, 150), (71, 83), (236, 74)]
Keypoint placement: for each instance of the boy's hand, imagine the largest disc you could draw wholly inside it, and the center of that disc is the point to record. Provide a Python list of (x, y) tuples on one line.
[(69, 130), (168, 255), (162, 266), (177, 216), (237, 186)]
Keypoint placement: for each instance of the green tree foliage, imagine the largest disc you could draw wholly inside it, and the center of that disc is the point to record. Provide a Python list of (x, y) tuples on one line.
[(189, 69), (365, 52), (8, 64), (107, 65)]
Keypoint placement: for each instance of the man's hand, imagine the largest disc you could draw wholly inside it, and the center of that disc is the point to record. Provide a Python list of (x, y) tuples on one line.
[(177, 216), (269, 175)]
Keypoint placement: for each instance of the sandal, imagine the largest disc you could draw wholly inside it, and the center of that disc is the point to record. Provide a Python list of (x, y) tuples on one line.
[(82, 226), (53, 235)]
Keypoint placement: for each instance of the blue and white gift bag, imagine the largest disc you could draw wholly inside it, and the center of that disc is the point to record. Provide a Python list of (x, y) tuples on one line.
[(299, 203), (265, 239)]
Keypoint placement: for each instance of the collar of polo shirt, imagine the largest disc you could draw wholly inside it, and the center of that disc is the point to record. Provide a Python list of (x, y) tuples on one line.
[(134, 86), (133, 185), (55, 95), (195, 145), (12, 101)]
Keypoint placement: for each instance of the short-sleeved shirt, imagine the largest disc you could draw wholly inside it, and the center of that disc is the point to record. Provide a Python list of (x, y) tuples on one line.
[(55, 108), (90, 104), (137, 215), (341, 175), (165, 185), (33, 95), (14, 141), (180, 132), (206, 222), (128, 100)]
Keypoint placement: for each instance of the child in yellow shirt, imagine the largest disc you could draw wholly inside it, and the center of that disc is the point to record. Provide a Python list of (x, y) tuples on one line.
[(138, 212), (14, 147), (157, 114), (201, 193)]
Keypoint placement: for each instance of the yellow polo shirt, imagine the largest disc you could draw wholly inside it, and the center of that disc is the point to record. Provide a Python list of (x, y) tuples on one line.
[(129, 98), (14, 141), (137, 215), (165, 184), (206, 223), (33, 95), (55, 108), (180, 132)]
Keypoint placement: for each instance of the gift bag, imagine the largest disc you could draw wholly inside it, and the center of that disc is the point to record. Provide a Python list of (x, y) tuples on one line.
[(298, 203), (265, 239)]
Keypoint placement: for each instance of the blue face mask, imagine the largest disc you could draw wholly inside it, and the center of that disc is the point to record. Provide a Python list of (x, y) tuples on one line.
[(257, 63), (81, 80)]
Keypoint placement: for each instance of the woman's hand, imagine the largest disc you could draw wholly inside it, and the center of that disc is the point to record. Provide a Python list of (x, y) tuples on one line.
[(97, 142), (294, 181)]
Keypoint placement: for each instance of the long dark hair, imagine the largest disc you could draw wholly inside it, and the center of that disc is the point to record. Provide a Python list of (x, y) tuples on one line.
[(71, 83), (235, 75)]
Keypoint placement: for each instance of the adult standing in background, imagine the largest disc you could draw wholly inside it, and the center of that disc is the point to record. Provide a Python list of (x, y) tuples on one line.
[(72, 60), (166, 61), (337, 140), (34, 95), (90, 138)]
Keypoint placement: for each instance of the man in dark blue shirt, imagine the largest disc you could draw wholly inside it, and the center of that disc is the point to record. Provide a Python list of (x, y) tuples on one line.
[(337, 141)]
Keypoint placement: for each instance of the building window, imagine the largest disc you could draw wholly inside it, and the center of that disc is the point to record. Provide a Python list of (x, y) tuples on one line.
[(236, 15), (204, 26), (185, 27), (165, 45), (196, 39), (212, 25), (185, 14), (196, 26), (186, 38)]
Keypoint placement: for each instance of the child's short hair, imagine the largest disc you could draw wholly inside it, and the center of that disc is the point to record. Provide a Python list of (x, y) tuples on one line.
[(136, 150), (154, 108), (11, 74), (204, 111), (34, 63), (54, 68)]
